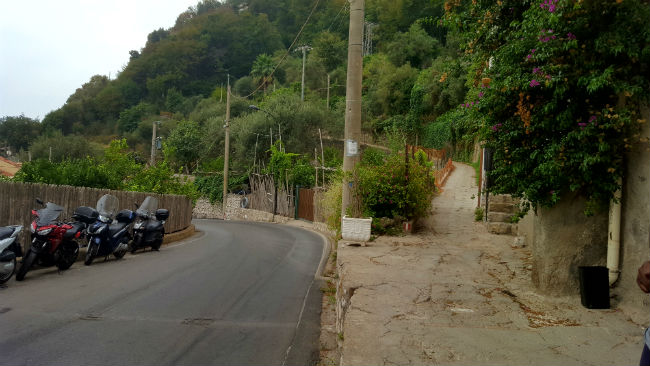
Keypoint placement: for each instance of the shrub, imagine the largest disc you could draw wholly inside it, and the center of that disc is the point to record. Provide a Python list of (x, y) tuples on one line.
[(390, 190)]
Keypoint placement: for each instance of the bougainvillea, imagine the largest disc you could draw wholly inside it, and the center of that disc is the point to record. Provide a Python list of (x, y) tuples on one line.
[(566, 82)]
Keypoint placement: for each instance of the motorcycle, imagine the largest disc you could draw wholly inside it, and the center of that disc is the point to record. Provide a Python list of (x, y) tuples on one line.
[(148, 229), (53, 242), (9, 249), (110, 233)]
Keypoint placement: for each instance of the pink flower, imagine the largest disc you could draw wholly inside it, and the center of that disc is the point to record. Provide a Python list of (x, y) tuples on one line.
[(480, 94), (533, 83), (592, 119), (571, 36), (536, 70), (549, 5)]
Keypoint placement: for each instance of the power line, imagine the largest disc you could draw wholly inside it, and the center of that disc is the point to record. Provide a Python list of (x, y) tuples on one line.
[(345, 5)]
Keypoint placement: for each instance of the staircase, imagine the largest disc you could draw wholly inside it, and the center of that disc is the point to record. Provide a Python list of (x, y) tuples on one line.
[(500, 209)]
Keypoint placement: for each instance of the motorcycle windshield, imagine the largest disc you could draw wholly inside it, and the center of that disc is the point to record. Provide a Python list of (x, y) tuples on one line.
[(148, 206), (48, 214), (107, 206)]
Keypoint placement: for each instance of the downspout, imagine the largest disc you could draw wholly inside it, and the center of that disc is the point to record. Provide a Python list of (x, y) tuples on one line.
[(614, 236)]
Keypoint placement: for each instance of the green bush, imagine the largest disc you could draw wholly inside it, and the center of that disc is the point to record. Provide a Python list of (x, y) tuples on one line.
[(390, 190)]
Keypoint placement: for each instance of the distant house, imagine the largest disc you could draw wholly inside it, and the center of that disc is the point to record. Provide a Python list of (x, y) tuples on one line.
[(8, 168)]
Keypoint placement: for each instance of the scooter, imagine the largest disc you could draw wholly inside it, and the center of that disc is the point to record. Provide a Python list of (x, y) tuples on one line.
[(9, 249), (110, 233), (148, 229)]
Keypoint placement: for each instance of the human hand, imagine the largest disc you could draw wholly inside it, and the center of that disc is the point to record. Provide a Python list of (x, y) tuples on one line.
[(643, 277)]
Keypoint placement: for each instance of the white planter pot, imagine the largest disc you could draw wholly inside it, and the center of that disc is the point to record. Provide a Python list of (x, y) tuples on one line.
[(355, 229)]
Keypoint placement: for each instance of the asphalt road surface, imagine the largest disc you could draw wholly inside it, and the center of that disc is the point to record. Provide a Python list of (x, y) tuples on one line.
[(236, 293)]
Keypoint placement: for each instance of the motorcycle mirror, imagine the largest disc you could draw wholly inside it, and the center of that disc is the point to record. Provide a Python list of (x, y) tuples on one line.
[(39, 201), (136, 205)]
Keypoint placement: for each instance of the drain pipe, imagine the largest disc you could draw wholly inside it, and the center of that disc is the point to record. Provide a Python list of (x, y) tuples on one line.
[(614, 237)]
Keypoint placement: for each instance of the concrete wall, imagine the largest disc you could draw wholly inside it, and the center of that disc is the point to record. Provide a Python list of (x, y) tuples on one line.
[(564, 239), (634, 227)]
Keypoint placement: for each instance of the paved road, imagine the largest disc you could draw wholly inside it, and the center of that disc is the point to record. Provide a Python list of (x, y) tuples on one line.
[(236, 293)]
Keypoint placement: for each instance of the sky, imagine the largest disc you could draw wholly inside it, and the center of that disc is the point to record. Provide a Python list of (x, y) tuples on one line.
[(49, 48)]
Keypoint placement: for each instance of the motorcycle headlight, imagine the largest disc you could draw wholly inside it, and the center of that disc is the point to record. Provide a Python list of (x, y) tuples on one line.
[(45, 231)]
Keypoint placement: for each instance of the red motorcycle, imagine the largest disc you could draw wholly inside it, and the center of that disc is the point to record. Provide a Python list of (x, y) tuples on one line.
[(54, 243)]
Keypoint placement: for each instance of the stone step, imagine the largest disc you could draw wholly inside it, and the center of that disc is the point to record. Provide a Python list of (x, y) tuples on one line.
[(503, 198), (502, 207), (499, 217), (499, 228)]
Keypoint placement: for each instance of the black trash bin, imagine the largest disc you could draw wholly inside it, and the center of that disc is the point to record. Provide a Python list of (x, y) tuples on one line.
[(594, 287)]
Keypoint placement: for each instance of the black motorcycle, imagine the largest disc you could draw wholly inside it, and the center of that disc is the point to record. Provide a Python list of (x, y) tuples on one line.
[(110, 233), (148, 229)]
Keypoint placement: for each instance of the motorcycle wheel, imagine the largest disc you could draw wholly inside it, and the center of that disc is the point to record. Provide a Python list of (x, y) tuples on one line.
[(119, 254), (8, 276), (156, 246), (29, 259), (91, 253), (67, 259)]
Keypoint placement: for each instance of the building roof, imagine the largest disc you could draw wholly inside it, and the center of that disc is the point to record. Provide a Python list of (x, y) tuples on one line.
[(8, 168)]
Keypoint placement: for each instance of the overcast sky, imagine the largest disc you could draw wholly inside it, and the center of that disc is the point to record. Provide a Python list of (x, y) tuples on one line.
[(49, 48)]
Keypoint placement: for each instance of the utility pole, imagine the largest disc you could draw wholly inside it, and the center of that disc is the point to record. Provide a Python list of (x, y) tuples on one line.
[(328, 92), (152, 162), (304, 50), (226, 152), (353, 102)]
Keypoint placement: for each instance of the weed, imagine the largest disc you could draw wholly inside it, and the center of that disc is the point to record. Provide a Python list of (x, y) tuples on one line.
[(478, 214)]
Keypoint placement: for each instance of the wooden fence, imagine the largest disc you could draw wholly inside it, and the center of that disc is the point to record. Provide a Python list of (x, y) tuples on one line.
[(262, 196), (18, 199)]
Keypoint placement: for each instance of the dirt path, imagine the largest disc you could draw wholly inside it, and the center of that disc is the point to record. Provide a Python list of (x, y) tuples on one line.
[(454, 294)]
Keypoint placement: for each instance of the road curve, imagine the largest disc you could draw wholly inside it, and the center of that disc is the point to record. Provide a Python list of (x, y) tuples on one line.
[(236, 293)]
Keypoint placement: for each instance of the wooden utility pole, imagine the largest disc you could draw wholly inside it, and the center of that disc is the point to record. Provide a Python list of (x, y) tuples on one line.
[(353, 103), (226, 153)]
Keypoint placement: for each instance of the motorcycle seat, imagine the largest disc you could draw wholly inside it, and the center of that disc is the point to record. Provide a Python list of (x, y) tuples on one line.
[(76, 227), (115, 228), (6, 231)]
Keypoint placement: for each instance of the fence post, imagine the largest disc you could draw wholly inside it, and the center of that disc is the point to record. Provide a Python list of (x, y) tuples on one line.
[(296, 202)]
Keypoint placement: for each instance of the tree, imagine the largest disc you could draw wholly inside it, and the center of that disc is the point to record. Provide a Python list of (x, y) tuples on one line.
[(18, 132), (262, 69), (415, 47), (63, 147), (331, 49), (183, 145)]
